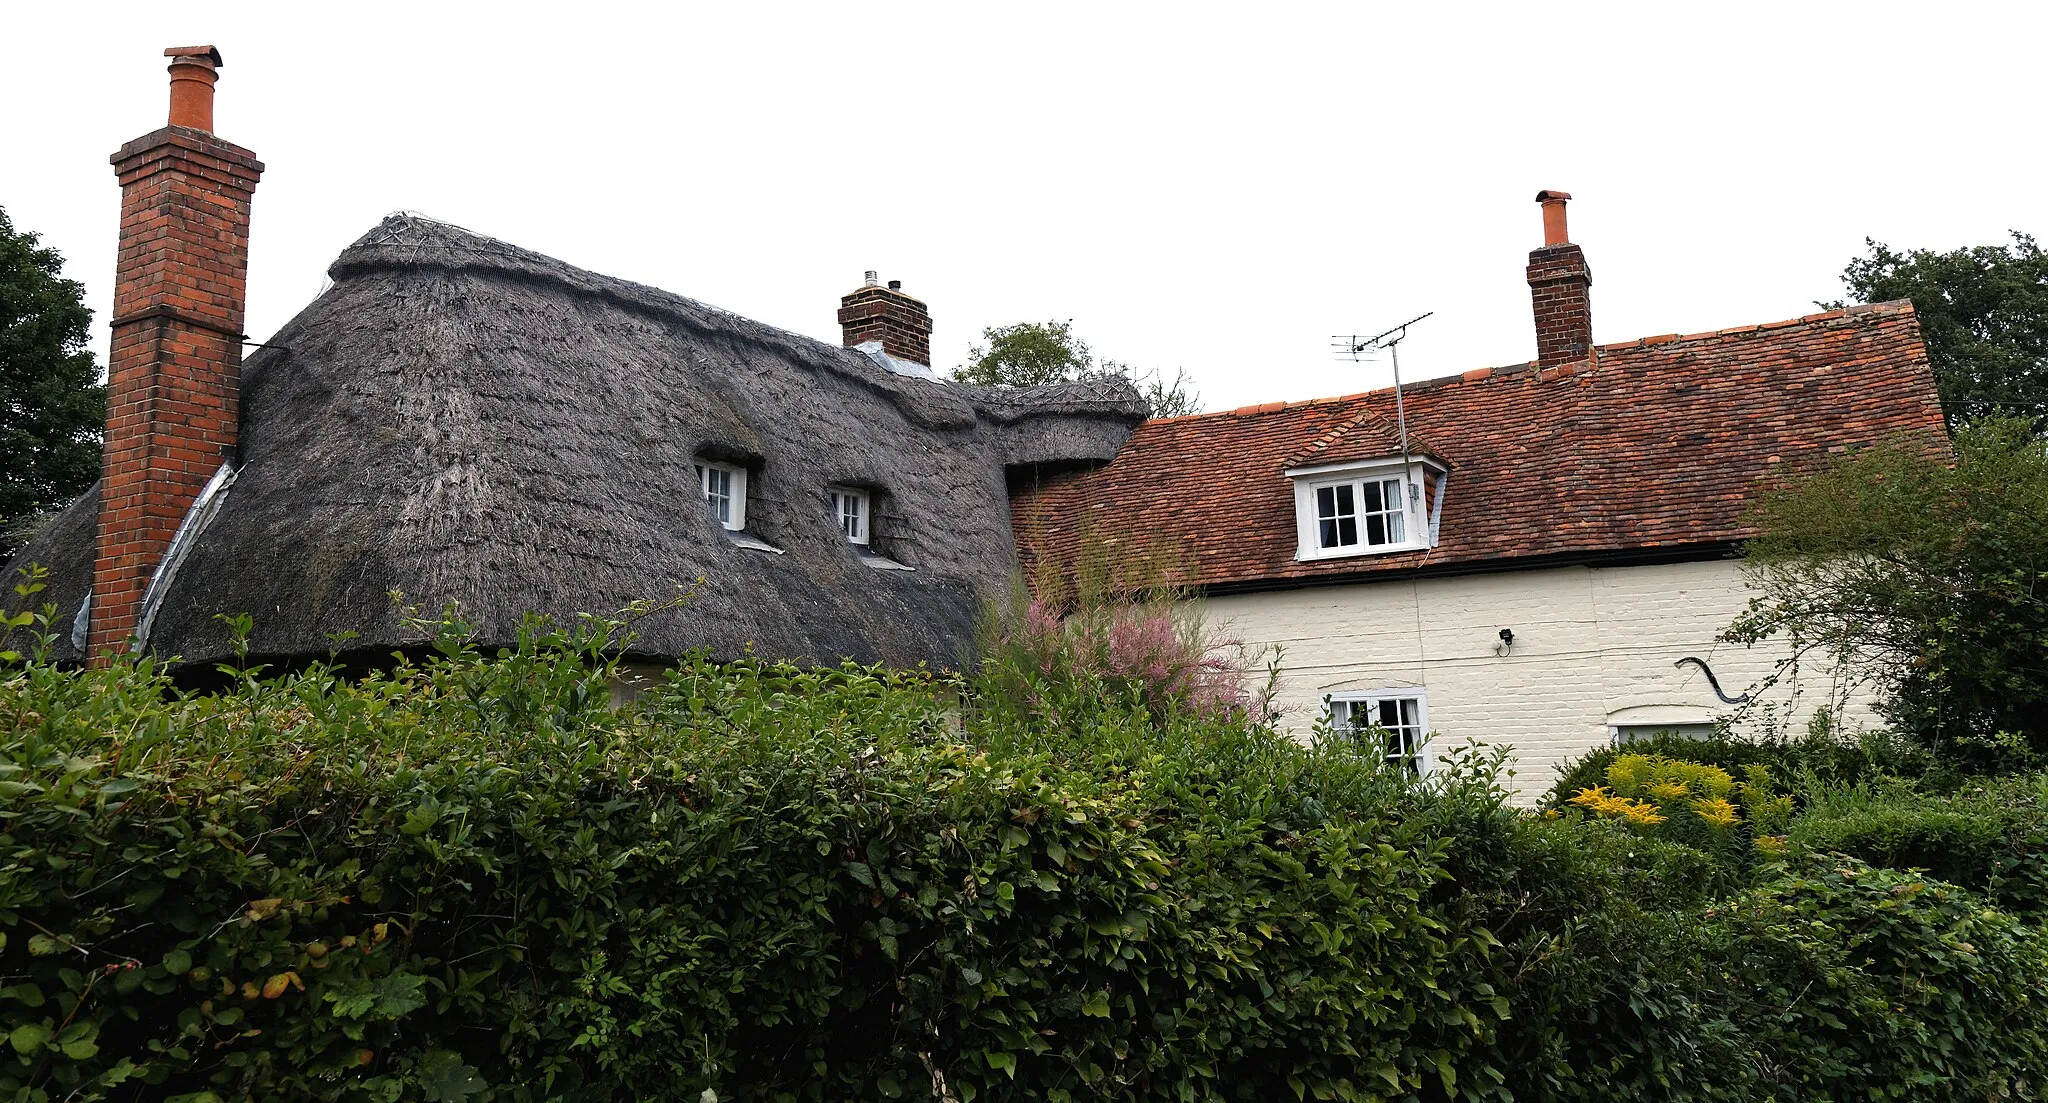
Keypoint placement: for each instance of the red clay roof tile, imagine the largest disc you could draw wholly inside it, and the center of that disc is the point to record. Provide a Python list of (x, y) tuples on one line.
[(1654, 443)]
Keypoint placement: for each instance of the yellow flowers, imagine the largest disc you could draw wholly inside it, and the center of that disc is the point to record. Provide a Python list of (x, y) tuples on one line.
[(1666, 779), (1598, 800), (1647, 790), (1717, 811)]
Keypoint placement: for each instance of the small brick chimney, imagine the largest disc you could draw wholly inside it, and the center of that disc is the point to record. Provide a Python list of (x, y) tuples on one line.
[(1559, 286), (174, 369), (886, 314)]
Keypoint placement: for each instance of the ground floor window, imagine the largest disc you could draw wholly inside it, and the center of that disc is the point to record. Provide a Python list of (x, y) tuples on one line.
[(1394, 723), (1625, 734)]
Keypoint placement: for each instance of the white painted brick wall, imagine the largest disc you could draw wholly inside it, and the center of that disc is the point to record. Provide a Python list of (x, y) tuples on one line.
[(1593, 646)]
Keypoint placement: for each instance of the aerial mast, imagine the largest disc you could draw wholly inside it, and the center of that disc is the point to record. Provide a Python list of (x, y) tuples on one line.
[(1357, 348)]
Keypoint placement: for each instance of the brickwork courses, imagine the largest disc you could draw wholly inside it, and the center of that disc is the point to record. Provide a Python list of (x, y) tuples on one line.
[(173, 368)]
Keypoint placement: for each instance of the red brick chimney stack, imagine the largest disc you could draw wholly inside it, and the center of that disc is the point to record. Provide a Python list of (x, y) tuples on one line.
[(886, 314), (174, 370), (1560, 286)]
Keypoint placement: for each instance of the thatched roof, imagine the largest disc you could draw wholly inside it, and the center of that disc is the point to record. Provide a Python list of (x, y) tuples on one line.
[(465, 421)]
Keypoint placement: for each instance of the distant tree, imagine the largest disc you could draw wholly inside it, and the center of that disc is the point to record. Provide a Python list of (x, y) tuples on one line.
[(1028, 354), (1984, 311), (1926, 573), (1032, 354), (52, 406)]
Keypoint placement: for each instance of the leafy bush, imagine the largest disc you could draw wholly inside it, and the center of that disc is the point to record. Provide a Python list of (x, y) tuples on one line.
[(1594, 923), (1847, 982), (1991, 838), (1923, 572), (468, 879)]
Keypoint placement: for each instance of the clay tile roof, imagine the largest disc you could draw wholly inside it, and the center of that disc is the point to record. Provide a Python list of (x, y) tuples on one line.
[(1658, 444)]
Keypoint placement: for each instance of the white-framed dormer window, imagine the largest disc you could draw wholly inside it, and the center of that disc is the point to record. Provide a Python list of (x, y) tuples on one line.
[(1365, 508), (725, 492), (1393, 723), (852, 507)]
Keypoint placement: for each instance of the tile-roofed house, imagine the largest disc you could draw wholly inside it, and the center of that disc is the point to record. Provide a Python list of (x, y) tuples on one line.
[(1568, 537)]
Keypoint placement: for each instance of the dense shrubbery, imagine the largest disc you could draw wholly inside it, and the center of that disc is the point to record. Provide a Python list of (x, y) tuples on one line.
[(468, 878)]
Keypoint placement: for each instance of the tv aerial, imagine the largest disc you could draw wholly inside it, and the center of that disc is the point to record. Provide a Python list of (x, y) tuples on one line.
[(1355, 348)]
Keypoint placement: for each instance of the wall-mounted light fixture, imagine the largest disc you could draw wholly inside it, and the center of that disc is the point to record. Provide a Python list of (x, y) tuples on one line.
[(1507, 640)]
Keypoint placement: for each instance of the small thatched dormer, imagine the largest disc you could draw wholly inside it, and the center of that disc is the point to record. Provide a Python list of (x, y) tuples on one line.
[(464, 421)]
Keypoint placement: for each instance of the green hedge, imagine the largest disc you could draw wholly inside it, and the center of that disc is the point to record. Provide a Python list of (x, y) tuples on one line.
[(1991, 837), (471, 879)]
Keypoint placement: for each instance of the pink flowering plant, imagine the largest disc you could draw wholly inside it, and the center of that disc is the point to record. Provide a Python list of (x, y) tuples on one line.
[(1117, 639)]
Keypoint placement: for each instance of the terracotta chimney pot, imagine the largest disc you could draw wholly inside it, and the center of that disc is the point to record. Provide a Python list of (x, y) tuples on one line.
[(1553, 216), (193, 72)]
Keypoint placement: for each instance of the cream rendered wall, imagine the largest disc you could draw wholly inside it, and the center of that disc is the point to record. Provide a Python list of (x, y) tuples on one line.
[(1594, 646)]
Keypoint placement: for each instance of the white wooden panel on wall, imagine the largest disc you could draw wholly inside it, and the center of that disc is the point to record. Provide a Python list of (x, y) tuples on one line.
[(1590, 643)]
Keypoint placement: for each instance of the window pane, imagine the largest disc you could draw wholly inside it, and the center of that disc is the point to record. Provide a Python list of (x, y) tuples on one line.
[(1327, 534), (1373, 501), (717, 484), (1326, 501), (1347, 532), (1375, 528), (1345, 504)]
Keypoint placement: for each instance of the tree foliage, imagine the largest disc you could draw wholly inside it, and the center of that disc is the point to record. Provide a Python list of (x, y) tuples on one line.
[(1925, 575), (52, 406), (1984, 313), (1028, 354), (1032, 354)]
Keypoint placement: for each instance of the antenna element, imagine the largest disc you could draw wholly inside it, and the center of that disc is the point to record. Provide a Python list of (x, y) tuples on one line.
[(1366, 348)]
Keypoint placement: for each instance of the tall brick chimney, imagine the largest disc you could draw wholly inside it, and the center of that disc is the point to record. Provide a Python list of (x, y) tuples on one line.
[(886, 314), (174, 369), (1560, 285)]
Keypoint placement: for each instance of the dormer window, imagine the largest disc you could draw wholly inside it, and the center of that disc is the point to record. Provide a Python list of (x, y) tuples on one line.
[(1364, 508), (852, 507), (725, 492)]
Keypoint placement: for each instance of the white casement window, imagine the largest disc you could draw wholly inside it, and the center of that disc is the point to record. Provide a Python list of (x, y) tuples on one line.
[(1393, 723), (1362, 508), (725, 492), (852, 507)]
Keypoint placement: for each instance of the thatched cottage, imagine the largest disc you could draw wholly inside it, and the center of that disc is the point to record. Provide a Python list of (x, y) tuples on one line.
[(459, 420)]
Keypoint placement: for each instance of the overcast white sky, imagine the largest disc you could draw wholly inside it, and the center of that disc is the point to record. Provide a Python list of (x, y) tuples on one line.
[(1215, 188)]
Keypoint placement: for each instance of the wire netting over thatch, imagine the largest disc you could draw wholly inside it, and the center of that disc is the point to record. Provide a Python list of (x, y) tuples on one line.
[(465, 421)]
